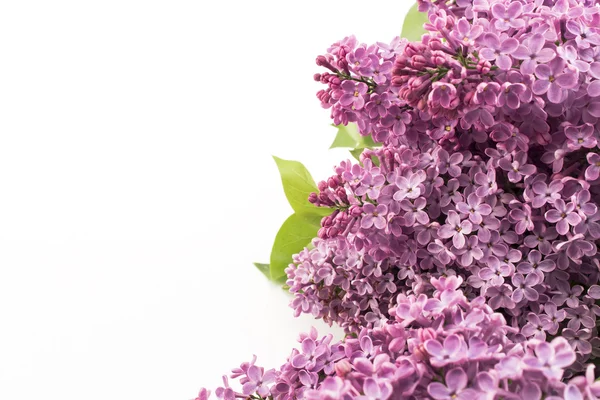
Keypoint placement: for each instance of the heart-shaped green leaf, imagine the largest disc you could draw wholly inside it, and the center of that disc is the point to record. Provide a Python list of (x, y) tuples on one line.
[(412, 28)]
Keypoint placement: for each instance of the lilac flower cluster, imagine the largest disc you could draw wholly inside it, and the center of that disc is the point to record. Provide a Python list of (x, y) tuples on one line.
[(359, 87), (438, 347), (495, 178), (525, 246), (461, 255)]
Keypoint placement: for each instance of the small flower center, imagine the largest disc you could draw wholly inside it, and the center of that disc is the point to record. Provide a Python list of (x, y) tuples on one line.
[(356, 93), (551, 78)]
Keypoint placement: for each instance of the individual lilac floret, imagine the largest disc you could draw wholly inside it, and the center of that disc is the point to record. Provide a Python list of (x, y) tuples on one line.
[(550, 358), (563, 215), (508, 17), (546, 193), (450, 352), (499, 51), (553, 79), (258, 381), (455, 229), (374, 216), (580, 136), (518, 167), (466, 33), (353, 94), (455, 388), (532, 52), (474, 208), (593, 171), (409, 188)]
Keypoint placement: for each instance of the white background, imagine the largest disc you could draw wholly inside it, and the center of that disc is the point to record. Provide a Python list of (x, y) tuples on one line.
[(137, 185)]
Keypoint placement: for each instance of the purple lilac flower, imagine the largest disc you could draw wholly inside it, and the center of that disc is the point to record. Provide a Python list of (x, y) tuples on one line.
[(415, 211), (370, 185), (376, 70), (409, 188), (579, 340), (455, 388), (505, 120), (455, 229), (474, 208), (498, 50), (546, 193), (466, 33), (508, 17), (563, 215), (443, 94), (593, 171), (451, 351), (258, 381), (535, 264), (522, 219), (449, 163), (580, 136), (353, 94), (487, 183), (553, 79), (518, 167), (524, 287), (374, 216), (584, 36), (550, 358), (532, 52)]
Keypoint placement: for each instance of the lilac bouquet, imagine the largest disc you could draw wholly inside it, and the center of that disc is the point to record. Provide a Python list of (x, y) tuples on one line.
[(459, 251)]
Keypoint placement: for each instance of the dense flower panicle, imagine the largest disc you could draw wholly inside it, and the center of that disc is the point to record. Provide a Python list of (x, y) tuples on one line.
[(517, 244), (501, 190), (440, 346), (460, 255)]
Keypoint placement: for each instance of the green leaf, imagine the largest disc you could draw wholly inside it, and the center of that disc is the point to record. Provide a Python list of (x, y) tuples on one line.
[(294, 235), (298, 184), (264, 268), (349, 137), (375, 160), (367, 142), (356, 153), (412, 28)]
